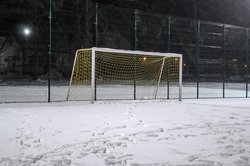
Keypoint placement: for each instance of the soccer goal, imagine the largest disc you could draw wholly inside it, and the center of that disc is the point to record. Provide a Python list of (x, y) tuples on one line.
[(104, 73)]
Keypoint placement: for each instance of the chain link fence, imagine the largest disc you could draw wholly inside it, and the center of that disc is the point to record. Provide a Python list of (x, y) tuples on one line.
[(215, 56)]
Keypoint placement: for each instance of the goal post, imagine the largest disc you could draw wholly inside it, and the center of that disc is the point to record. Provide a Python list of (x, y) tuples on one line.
[(93, 71), (104, 73)]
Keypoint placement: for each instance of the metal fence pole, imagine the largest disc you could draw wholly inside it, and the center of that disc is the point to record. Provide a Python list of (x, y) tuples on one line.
[(169, 33), (96, 45), (135, 29), (169, 50), (198, 56), (49, 53), (247, 63), (96, 24), (224, 59), (135, 48)]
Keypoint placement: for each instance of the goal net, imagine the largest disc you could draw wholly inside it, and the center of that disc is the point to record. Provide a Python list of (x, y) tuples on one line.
[(102, 73)]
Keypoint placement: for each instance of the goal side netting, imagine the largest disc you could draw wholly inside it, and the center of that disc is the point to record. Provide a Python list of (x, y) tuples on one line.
[(102, 74)]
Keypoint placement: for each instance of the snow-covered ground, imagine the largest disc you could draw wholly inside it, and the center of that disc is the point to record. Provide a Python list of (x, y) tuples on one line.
[(213, 132)]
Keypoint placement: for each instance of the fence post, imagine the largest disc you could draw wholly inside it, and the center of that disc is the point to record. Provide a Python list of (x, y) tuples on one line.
[(96, 43), (224, 59), (169, 50), (96, 24), (169, 33), (50, 48), (135, 48), (198, 56), (135, 29), (247, 63), (134, 89)]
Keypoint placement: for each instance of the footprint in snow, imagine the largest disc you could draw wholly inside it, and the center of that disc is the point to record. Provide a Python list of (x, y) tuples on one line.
[(192, 158)]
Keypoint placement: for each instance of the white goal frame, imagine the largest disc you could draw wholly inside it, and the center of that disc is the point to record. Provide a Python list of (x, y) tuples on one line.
[(109, 50)]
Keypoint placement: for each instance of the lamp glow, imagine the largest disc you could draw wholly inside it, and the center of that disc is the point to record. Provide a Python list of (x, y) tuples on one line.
[(26, 31)]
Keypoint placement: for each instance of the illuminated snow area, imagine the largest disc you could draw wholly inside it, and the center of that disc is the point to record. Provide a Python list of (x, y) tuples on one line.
[(213, 132)]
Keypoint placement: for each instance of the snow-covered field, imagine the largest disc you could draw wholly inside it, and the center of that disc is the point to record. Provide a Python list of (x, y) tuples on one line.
[(213, 132)]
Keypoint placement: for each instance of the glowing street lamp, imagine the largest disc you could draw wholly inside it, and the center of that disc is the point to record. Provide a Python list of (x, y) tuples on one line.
[(26, 31)]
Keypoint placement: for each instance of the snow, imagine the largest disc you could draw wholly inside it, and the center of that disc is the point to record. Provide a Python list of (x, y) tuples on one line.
[(214, 132)]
